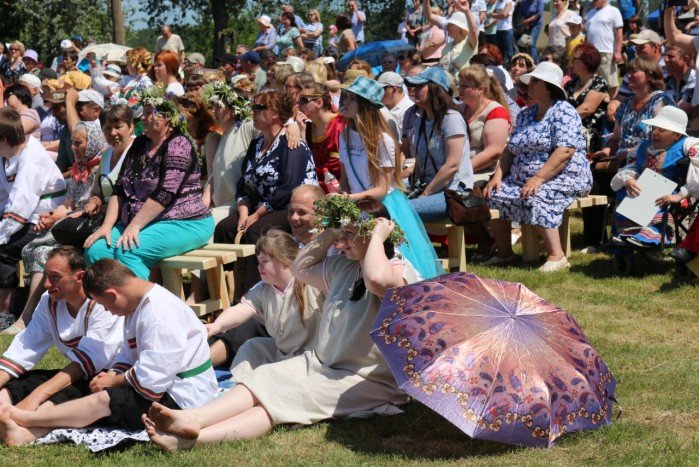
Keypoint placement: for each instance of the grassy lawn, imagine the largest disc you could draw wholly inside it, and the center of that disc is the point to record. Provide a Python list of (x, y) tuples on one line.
[(646, 328)]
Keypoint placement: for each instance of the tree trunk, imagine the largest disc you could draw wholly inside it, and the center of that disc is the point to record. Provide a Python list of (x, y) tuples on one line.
[(119, 34), (220, 15)]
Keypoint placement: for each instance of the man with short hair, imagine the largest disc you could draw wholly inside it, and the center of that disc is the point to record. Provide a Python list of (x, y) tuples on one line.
[(227, 63), (165, 359), (80, 329), (287, 8), (358, 18), (689, 45), (65, 157), (170, 41), (604, 31), (681, 79), (394, 97), (250, 66)]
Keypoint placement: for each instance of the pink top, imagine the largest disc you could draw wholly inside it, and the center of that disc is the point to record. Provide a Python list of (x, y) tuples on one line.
[(433, 35), (33, 116)]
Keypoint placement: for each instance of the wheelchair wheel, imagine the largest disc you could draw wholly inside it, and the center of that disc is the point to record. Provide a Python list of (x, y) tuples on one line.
[(623, 264)]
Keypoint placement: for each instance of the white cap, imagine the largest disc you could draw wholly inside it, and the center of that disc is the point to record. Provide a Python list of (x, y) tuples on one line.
[(390, 78), (66, 45), (90, 95), (669, 118), (296, 63), (30, 80), (548, 72), (458, 19), (575, 19), (265, 20), (112, 70)]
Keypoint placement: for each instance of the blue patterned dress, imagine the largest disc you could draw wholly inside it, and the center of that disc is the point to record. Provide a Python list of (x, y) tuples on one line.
[(531, 144)]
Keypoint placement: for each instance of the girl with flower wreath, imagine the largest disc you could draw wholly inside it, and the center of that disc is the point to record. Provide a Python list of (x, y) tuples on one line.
[(371, 166), (156, 210), (345, 373)]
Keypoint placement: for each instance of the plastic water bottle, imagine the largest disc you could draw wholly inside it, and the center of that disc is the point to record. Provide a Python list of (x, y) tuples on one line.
[(332, 184)]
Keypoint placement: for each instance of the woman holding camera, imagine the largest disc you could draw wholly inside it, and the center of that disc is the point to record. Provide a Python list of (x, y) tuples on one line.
[(439, 145)]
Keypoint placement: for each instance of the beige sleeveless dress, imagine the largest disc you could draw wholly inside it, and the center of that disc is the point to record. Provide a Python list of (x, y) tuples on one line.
[(475, 136)]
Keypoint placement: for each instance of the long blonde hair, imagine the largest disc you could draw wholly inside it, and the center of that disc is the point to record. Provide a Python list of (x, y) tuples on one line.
[(492, 89), (371, 126), (282, 247)]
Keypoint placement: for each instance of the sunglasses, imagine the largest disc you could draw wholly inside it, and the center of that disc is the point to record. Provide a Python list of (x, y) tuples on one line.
[(258, 107), (305, 99), (402, 57), (14, 49)]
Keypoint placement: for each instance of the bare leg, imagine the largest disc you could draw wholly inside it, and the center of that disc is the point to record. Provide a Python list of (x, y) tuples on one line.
[(552, 242), (252, 423), (5, 299), (77, 413), (13, 434), (36, 289), (500, 229), (188, 423), (219, 353), (5, 398)]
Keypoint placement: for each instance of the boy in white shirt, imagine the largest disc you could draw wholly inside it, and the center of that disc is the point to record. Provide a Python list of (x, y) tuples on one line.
[(30, 185), (165, 358), (83, 331)]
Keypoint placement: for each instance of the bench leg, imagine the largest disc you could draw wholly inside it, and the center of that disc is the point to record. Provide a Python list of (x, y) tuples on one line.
[(457, 248), (172, 281), (564, 233), (530, 244), (217, 285)]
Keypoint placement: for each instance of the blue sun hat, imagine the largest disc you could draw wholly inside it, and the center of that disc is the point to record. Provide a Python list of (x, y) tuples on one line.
[(433, 74), (368, 88)]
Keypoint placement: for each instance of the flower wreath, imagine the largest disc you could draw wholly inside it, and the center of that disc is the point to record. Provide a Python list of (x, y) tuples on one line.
[(163, 104), (338, 211), (218, 94)]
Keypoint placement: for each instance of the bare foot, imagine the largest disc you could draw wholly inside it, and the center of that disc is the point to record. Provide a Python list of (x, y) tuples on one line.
[(176, 422), (166, 441), (11, 433)]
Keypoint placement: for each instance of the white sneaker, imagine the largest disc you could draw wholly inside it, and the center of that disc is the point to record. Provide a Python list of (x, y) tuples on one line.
[(552, 266)]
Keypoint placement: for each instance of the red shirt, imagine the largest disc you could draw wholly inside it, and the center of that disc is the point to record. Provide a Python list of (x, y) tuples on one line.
[(326, 151)]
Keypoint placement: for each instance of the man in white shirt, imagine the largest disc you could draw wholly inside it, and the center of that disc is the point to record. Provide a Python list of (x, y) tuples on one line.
[(395, 98), (165, 358), (604, 27), (80, 329), (170, 41), (358, 18)]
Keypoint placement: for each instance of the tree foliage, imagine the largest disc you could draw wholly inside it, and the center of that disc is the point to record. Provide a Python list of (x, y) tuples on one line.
[(42, 24)]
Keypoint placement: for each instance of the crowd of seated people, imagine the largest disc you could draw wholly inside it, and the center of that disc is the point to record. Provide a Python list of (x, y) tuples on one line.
[(122, 165)]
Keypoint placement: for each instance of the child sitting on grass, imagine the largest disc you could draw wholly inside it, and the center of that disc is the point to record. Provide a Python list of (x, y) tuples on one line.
[(289, 310)]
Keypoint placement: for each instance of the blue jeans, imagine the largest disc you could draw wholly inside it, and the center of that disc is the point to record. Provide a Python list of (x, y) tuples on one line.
[(506, 44), (534, 34), (431, 208)]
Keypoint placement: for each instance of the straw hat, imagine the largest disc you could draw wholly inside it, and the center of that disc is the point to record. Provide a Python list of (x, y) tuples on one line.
[(669, 118), (548, 72)]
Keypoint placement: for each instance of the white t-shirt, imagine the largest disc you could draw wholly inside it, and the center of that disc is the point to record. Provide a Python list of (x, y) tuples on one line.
[(504, 24), (355, 161), (601, 27), (175, 88)]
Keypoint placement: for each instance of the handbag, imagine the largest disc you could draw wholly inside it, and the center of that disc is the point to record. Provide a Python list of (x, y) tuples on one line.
[(466, 206), (74, 231)]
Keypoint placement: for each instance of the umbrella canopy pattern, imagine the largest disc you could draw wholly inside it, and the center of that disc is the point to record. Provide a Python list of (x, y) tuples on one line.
[(108, 52), (373, 52), (495, 359)]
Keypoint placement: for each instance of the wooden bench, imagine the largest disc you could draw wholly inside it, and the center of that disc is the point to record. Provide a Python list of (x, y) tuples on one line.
[(456, 247), (21, 273), (210, 259), (531, 248), (694, 266)]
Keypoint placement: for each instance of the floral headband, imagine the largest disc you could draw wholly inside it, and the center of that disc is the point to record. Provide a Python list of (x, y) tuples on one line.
[(338, 212), (164, 105), (219, 94)]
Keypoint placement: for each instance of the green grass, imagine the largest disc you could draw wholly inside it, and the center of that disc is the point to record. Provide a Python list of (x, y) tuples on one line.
[(646, 327)]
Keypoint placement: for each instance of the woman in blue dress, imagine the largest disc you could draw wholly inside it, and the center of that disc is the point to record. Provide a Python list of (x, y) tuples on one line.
[(542, 171)]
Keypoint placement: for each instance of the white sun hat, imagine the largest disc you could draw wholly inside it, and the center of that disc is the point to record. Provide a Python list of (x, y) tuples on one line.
[(669, 118), (548, 72), (458, 19)]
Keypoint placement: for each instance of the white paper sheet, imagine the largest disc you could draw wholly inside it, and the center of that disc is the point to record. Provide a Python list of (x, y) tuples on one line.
[(642, 208)]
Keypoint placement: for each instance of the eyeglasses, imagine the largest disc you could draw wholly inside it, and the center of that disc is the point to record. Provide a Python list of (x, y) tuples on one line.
[(402, 57), (305, 99), (258, 107)]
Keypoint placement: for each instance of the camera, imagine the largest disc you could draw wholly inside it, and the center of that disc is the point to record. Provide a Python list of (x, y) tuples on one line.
[(416, 189)]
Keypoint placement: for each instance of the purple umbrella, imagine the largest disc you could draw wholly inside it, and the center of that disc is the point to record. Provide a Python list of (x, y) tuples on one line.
[(494, 359)]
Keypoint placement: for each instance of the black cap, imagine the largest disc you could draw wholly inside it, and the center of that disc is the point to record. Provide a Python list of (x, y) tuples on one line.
[(226, 58)]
